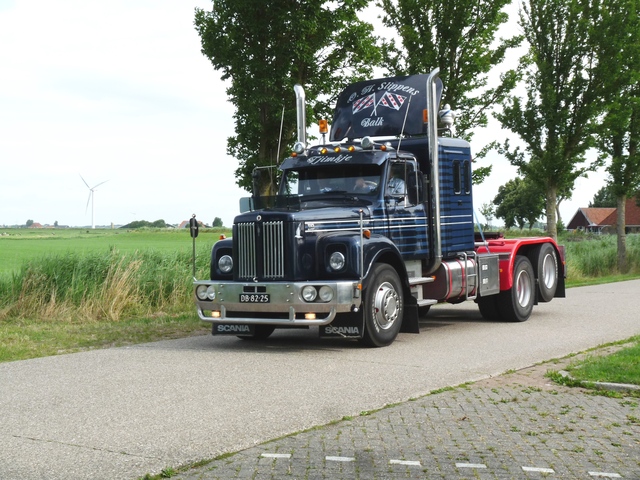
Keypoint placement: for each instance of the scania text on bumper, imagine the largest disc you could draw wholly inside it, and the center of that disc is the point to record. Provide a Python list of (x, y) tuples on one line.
[(225, 301)]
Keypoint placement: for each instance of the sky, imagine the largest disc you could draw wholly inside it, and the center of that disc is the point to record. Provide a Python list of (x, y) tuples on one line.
[(119, 92)]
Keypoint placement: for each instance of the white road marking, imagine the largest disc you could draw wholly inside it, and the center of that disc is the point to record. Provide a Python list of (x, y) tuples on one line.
[(340, 459), (538, 469), (276, 455), (405, 462), (471, 465)]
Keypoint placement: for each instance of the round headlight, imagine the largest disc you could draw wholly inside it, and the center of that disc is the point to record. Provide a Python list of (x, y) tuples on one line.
[(336, 261), (211, 292), (326, 293), (309, 293), (367, 143), (201, 292), (225, 264)]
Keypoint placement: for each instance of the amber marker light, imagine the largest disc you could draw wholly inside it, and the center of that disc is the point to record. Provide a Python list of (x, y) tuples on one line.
[(337, 149), (222, 236), (425, 115), (352, 148), (366, 234), (324, 126)]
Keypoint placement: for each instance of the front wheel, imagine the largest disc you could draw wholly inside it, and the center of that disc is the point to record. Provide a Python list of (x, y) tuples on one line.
[(516, 304), (383, 306)]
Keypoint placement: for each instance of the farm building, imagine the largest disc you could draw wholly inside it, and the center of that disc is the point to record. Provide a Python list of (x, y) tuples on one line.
[(604, 220)]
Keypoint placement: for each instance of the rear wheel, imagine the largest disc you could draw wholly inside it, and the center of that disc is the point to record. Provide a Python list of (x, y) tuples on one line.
[(545, 267), (383, 307), (516, 304), (260, 332)]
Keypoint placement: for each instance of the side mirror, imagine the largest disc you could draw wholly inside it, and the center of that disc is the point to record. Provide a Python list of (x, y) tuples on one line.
[(246, 204)]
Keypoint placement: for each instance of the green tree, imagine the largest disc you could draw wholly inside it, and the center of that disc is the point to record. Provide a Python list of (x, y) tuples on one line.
[(29, 223), (519, 202), (217, 222), (488, 211), (556, 119), (619, 132), (604, 198), (263, 51), (460, 38)]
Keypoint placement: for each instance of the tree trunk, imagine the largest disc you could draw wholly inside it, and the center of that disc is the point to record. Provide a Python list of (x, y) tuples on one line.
[(552, 226), (622, 235)]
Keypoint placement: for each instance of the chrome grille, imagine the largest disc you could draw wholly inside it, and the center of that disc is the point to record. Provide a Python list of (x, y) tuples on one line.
[(246, 250), (273, 250), (266, 238)]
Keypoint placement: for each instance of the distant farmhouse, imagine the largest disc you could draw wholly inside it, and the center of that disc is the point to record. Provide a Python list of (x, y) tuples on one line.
[(604, 220)]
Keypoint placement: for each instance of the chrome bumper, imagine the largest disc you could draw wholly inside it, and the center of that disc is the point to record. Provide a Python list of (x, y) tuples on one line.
[(285, 299)]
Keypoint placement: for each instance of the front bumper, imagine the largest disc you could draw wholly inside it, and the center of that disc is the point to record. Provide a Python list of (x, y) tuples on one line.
[(285, 306)]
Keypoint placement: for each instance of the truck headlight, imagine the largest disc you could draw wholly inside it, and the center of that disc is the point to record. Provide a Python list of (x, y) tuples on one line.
[(309, 293), (326, 293), (206, 292), (201, 292), (225, 264), (336, 261)]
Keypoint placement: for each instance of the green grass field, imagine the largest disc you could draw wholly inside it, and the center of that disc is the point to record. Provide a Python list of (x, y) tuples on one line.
[(18, 246)]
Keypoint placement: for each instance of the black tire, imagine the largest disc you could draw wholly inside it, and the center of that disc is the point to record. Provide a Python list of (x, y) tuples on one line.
[(383, 306), (261, 332), (489, 307), (545, 267), (516, 304)]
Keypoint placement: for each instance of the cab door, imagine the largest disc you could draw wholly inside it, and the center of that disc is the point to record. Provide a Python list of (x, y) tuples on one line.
[(405, 209)]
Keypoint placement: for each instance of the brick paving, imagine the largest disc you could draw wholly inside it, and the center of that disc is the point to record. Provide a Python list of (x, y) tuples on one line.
[(511, 428)]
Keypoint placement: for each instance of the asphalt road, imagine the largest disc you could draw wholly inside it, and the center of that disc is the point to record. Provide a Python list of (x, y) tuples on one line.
[(124, 412)]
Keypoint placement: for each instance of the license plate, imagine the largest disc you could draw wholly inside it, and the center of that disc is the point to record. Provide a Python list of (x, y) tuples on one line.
[(255, 298)]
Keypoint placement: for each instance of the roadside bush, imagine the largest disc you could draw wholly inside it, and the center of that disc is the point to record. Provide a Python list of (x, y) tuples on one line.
[(97, 287)]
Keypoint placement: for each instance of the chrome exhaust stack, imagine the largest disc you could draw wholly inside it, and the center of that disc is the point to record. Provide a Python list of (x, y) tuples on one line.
[(301, 111), (432, 128)]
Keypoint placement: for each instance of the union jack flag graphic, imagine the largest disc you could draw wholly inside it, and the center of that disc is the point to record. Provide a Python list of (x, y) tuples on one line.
[(392, 100), (364, 102)]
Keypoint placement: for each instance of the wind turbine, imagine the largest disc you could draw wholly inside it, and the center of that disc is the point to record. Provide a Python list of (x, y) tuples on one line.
[(90, 199)]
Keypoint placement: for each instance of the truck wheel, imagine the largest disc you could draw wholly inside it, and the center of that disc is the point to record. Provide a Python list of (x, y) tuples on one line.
[(545, 267), (489, 307), (260, 332), (383, 307), (516, 304)]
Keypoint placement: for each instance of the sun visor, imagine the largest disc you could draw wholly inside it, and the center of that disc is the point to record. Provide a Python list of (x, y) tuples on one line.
[(378, 108), (316, 160)]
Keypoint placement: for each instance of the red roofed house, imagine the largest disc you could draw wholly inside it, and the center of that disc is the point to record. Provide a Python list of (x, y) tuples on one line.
[(604, 220)]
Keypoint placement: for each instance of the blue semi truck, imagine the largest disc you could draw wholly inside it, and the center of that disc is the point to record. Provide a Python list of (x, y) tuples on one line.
[(368, 230)]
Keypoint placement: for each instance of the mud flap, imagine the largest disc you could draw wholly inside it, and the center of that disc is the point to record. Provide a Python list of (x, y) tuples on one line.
[(232, 329), (345, 325), (410, 320)]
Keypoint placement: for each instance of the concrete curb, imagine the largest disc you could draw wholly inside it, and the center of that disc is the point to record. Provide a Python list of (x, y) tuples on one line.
[(614, 387)]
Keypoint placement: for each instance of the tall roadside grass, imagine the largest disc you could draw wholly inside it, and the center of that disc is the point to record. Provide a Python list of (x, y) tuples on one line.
[(596, 256), (95, 287)]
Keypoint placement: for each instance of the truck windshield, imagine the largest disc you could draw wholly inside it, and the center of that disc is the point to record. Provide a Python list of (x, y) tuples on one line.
[(349, 179)]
